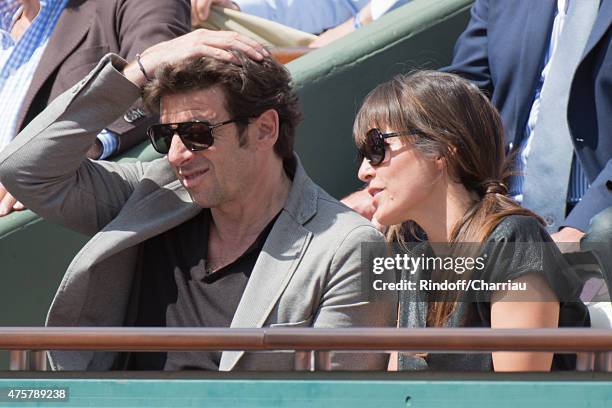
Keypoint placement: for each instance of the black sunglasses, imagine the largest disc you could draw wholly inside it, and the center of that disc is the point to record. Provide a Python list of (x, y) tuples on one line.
[(373, 148), (196, 135)]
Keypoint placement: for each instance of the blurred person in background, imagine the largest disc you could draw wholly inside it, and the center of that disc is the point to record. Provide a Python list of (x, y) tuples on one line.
[(47, 46), (330, 19), (547, 67)]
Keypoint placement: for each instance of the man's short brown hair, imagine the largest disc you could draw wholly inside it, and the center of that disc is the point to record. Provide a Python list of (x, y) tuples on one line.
[(250, 89)]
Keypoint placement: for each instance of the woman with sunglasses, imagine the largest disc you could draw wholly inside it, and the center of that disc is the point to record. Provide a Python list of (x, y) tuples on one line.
[(434, 161)]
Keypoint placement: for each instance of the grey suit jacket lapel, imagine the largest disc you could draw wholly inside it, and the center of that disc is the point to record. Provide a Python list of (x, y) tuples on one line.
[(279, 258), (71, 27)]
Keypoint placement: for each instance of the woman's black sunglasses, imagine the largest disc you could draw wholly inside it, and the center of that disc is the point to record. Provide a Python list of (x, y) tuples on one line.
[(195, 135), (373, 148)]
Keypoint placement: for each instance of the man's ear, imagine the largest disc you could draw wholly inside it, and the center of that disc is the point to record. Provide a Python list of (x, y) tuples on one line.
[(265, 128)]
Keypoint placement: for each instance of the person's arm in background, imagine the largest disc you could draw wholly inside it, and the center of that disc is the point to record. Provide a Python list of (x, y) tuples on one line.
[(141, 24), (470, 57), (370, 12), (363, 17), (309, 16), (360, 201)]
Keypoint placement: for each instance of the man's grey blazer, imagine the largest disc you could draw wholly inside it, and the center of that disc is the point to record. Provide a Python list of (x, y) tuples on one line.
[(308, 273)]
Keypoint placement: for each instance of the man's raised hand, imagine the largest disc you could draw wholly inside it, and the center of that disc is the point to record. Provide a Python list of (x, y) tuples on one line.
[(201, 42)]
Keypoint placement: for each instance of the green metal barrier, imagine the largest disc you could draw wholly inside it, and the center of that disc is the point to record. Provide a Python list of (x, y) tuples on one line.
[(331, 83), (312, 392)]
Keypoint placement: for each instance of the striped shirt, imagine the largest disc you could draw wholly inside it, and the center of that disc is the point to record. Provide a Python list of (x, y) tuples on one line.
[(578, 183), (19, 60)]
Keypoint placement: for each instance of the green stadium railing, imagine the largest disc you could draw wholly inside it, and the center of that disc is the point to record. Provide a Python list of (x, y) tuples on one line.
[(307, 389)]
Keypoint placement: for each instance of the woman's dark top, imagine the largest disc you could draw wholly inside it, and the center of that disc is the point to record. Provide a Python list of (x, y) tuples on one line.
[(519, 245)]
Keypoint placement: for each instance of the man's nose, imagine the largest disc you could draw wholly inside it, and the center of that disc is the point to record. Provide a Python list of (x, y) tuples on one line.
[(178, 154), (366, 171)]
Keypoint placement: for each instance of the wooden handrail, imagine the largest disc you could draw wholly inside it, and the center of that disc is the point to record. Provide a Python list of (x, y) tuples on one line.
[(381, 339)]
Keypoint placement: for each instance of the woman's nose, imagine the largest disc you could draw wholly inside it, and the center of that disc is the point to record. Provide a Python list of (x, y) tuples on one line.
[(366, 171)]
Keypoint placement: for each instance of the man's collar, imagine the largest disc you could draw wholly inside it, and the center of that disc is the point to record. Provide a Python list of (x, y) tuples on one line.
[(302, 201)]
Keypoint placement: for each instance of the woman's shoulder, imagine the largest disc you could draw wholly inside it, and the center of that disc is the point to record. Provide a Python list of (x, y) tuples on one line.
[(519, 228)]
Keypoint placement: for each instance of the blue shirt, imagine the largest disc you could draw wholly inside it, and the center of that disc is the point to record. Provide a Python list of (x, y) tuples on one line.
[(313, 16)]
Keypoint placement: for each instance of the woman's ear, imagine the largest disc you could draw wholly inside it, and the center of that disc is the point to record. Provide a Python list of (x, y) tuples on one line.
[(440, 162)]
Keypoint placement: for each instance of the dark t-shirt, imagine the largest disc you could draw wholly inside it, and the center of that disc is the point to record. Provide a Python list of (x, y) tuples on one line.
[(519, 245), (174, 290)]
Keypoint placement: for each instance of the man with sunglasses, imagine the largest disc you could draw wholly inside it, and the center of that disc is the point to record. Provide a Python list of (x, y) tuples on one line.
[(226, 231)]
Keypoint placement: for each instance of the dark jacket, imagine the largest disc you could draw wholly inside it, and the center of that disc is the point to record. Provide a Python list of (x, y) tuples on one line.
[(89, 29), (502, 51)]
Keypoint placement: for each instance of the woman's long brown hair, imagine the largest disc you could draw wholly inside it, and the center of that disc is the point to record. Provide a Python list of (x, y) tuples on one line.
[(457, 122)]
